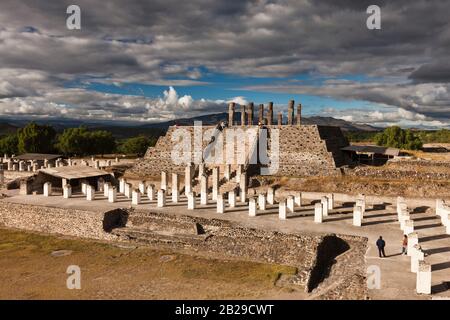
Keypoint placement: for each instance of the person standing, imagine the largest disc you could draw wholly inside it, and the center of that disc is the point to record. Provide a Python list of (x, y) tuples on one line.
[(405, 244), (381, 244)]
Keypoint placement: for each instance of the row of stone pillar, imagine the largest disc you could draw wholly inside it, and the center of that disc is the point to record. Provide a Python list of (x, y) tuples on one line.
[(247, 114)]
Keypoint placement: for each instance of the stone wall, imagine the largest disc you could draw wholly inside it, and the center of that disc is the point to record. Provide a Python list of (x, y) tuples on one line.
[(304, 151), (71, 222)]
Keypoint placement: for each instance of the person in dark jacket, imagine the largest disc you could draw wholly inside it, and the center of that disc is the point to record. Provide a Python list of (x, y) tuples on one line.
[(381, 244)]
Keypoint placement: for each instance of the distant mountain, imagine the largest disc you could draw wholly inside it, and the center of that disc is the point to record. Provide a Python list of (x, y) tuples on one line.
[(125, 130)]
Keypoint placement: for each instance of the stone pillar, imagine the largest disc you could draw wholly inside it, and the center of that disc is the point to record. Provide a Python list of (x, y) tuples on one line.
[(361, 202), (191, 200), (142, 187), (408, 227), (232, 198), (128, 190), (90, 192), (151, 192), (252, 206), (290, 203), (238, 173), (298, 199), (403, 219), (318, 213), (220, 203), (423, 283), (10, 165), (243, 188), (357, 216), (116, 160), (97, 164), (204, 190), (250, 113), (35, 167), (2, 176), (100, 184), (416, 256), (122, 185), (282, 210), (67, 191), (330, 197), (413, 239), (262, 201), (280, 119), (14, 167), (83, 186), (201, 170), (270, 196), (231, 108), (106, 188), (243, 115), (270, 114), (28, 168), (112, 194), (161, 198), (261, 114), (175, 188), (164, 180), (136, 197), (324, 201), (47, 189), (108, 163), (21, 165), (290, 112), (69, 162), (401, 207), (188, 179), (45, 163), (227, 171), (215, 182), (299, 114)]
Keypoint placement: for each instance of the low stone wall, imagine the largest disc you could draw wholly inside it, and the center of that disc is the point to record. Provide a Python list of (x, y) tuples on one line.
[(77, 223)]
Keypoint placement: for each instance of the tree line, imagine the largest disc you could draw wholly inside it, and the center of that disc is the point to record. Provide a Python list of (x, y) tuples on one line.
[(36, 138)]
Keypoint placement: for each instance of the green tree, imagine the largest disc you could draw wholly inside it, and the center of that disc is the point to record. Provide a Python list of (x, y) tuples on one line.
[(102, 142), (136, 145), (397, 137), (36, 138), (9, 144), (81, 141)]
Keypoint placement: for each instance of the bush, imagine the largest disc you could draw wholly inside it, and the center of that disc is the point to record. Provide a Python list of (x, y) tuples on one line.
[(9, 144), (136, 145), (80, 141), (34, 138), (397, 137)]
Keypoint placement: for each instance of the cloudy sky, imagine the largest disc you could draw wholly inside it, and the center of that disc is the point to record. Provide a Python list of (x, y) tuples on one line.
[(155, 60)]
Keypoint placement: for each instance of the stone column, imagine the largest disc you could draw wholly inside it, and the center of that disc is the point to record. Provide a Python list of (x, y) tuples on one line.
[(243, 188), (231, 108), (290, 112), (97, 164), (416, 256), (164, 180), (175, 188), (361, 202), (127, 191), (324, 201), (401, 207), (2, 176), (83, 186), (280, 119), (47, 189), (318, 213), (35, 167), (330, 197), (100, 184), (252, 206), (122, 185), (21, 166), (136, 197), (204, 190), (299, 114), (261, 114), (191, 200), (262, 201), (250, 113), (188, 179), (14, 167), (408, 227), (227, 172), (290, 203), (403, 219), (161, 198), (220, 203), (45, 163), (238, 173), (215, 182), (106, 188), (270, 196), (116, 160), (423, 283), (357, 216), (232, 198), (201, 170), (243, 115), (270, 114), (142, 187), (282, 209), (298, 199), (112, 194), (413, 239), (151, 192), (90, 193), (67, 191), (10, 165)]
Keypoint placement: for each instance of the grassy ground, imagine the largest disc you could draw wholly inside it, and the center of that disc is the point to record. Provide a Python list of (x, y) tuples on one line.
[(108, 271)]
